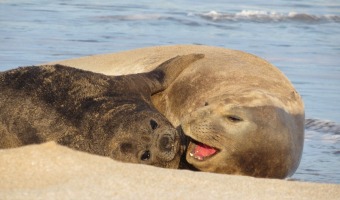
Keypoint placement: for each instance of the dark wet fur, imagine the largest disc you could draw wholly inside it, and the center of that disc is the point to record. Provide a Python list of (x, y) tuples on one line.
[(90, 112)]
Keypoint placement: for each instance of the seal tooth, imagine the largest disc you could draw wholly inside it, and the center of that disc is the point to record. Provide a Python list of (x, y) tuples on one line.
[(199, 157), (196, 156)]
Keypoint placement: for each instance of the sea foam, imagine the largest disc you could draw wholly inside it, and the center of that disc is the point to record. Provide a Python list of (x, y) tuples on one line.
[(268, 16)]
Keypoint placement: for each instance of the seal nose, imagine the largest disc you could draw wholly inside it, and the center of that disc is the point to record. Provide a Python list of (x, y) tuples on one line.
[(166, 143)]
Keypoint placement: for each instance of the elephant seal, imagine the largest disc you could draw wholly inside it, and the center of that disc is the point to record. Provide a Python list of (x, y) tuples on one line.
[(241, 114), (91, 112)]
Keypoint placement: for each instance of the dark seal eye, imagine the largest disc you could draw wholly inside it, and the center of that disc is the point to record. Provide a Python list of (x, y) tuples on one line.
[(234, 118), (206, 104), (146, 155), (153, 124)]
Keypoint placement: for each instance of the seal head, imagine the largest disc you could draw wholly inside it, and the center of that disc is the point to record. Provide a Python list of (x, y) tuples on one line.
[(231, 136)]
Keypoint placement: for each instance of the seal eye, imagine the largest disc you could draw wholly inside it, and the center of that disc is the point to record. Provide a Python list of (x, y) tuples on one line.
[(206, 104), (153, 124), (146, 155), (234, 118)]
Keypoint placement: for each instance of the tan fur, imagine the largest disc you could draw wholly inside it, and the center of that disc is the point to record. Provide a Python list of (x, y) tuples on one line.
[(224, 78)]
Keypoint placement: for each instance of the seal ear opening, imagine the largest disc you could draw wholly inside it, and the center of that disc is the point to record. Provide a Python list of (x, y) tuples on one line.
[(153, 124), (126, 147)]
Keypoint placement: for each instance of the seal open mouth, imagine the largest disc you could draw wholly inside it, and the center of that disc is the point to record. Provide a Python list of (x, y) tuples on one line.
[(201, 151)]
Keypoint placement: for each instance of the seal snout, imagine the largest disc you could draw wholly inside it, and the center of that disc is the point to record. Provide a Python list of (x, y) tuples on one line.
[(166, 143), (168, 146)]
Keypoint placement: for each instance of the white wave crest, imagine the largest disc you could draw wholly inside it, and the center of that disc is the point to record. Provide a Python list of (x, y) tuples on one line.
[(268, 16)]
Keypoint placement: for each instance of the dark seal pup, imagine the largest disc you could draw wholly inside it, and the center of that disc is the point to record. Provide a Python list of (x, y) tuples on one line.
[(105, 115)]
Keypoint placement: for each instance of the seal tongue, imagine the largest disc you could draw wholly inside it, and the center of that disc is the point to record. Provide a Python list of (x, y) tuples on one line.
[(202, 150)]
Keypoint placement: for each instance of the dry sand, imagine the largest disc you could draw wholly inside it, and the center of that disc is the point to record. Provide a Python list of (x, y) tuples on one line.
[(50, 171)]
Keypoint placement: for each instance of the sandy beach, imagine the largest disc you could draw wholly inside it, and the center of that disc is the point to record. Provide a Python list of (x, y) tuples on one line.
[(50, 171)]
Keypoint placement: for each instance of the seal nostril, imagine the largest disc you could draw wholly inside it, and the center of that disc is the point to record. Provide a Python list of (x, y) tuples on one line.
[(153, 124), (166, 143)]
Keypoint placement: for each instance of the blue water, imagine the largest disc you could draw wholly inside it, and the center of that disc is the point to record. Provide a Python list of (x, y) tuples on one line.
[(302, 38)]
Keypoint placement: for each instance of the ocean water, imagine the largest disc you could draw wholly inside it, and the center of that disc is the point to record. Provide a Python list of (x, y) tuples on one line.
[(302, 38)]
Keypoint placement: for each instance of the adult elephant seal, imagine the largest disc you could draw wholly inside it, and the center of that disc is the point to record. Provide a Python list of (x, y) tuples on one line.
[(99, 114), (242, 115)]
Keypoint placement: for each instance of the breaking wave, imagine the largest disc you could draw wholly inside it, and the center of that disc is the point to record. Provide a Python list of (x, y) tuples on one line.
[(269, 16), (214, 16)]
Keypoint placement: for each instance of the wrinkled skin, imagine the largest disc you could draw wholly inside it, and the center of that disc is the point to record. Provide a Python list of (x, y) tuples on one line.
[(105, 115), (225, 79)]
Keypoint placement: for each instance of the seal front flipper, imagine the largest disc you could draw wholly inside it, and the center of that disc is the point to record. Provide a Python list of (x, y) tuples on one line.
[(162, 76)]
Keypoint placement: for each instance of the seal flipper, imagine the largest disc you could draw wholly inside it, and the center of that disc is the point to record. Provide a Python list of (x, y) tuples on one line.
[(162, 76)]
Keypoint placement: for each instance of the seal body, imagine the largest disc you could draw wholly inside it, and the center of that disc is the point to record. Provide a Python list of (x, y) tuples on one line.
[(241, 114), (104, 115)]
